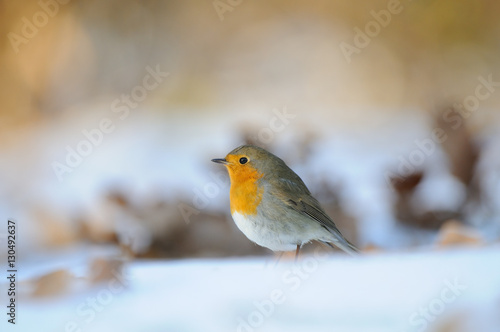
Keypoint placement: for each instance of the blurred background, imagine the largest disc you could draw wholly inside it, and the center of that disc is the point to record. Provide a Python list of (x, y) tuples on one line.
[(111, 112)]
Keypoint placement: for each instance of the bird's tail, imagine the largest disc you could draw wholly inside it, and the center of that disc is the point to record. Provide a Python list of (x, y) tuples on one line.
[(344, 245)]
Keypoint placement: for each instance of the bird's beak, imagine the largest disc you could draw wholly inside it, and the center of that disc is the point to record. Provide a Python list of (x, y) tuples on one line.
[(220, 161)]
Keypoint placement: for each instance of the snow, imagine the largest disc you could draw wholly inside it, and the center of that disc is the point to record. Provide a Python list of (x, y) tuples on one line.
[(452, 290)]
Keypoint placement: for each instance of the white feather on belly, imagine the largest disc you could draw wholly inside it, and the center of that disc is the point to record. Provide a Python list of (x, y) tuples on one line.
[(257, 232)]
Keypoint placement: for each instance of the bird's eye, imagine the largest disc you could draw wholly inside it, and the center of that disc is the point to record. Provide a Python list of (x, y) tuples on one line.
[(243, 160)]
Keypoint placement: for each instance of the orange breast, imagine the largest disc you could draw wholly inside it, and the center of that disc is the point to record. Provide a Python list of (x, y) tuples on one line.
[(245, 194)]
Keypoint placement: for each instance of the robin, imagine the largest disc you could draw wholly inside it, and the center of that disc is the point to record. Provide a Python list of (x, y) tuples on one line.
[(272, 206)]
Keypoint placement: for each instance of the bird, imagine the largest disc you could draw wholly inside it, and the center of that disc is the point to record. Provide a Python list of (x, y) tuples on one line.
[(273, 207)]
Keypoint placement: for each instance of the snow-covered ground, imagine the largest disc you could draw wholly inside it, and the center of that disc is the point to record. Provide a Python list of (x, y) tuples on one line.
[(452, 290)]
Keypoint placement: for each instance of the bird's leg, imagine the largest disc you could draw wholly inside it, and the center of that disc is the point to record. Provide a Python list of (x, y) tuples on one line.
[(297, 252), (278, 258)]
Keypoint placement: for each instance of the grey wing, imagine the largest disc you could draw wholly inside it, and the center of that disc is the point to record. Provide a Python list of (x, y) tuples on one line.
[(304, 203), (316, 212)]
